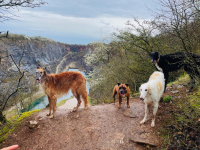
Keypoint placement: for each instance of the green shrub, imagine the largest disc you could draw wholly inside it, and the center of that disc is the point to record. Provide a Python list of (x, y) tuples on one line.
[(167, 99)]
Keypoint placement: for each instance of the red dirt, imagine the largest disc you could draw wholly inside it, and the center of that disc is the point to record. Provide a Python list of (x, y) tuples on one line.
[(100, 127)]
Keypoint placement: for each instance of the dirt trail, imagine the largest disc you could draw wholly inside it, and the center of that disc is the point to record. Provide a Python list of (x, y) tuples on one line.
[(70, 104), (100, 127)]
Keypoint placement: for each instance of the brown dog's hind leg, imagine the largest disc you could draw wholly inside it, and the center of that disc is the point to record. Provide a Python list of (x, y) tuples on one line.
[(50, 105), (85, 99), (128, 102), (79, 102)]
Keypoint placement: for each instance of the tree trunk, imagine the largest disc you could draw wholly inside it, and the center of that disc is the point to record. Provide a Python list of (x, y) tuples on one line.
[(2, 117)]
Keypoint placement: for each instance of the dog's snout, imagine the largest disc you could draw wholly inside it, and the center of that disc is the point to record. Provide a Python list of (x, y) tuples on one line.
[(141, 98), (37, 79)]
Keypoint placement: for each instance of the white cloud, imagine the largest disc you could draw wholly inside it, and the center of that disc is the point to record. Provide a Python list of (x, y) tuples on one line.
[(76, 21), (93, 27)]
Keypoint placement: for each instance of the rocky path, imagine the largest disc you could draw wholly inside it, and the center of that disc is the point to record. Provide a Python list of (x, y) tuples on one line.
[(103, 127)]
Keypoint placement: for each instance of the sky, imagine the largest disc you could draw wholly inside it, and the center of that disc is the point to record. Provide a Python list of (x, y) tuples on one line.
[(77, 21)]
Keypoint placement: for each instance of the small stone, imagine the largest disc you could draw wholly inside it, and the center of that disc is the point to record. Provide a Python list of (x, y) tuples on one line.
[(179, 133), (121, 141), (166, 112), (38, 127), (174, 92), (40, 119), (186, 131), (33, 124), (179, 86), (140, 133)]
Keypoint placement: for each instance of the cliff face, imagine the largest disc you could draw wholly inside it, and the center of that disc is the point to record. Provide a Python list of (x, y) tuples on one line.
[(57, 57)]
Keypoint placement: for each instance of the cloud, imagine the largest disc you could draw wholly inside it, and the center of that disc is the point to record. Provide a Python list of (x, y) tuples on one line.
[(76, 20), (93, 27)]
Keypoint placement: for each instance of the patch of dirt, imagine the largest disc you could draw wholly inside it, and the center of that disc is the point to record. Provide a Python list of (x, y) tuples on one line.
[(100, 127)]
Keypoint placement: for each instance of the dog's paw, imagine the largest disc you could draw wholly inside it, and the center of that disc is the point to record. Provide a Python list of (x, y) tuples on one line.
[(48, 114), (142, 122), (51, 117), (118, 106), (74, 109), (128, 106), (153, 124), (86, 108)]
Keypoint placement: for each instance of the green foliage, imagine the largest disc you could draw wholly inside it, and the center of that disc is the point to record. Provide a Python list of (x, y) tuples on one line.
[(19, 37), (62, 102), (186, 113), (92, 101), (182, 79), (167, 99), (16, 37), (116, 66), (12, 123), (108, 101)]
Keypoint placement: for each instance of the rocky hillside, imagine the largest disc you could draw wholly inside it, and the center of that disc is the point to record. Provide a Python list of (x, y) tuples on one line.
[(46, 52)]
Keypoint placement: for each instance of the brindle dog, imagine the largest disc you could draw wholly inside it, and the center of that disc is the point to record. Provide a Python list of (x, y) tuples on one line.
[(123, 91)]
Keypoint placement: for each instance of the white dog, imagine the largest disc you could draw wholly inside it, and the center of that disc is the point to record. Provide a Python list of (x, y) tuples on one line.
[(151, 93)]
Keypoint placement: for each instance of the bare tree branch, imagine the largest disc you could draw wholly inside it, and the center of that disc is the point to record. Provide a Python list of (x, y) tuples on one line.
[(5, 5)]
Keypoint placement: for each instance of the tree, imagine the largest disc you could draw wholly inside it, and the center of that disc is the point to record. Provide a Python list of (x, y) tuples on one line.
[(179, 20), (6, 5)]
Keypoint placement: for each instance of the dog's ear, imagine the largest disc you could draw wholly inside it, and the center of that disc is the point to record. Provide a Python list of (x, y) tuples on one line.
[(127, 85), (38, 67), (157, 54), (45, 73), (118, 84)]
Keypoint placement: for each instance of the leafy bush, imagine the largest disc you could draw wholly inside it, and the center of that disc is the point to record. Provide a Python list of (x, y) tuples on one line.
[(112, 65), (167, 99)]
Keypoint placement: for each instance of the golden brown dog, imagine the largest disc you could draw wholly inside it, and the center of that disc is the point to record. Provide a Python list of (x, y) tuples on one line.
[(56, 85), (123, 91)]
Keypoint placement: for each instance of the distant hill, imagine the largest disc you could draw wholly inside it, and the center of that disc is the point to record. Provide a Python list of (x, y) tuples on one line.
[(43, 51)]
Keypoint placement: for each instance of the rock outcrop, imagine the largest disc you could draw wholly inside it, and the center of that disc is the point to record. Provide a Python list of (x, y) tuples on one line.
[(44, 52)]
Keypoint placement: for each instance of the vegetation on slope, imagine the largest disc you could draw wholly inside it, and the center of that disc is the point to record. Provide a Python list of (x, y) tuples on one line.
[(12, 123), (181, 128)]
